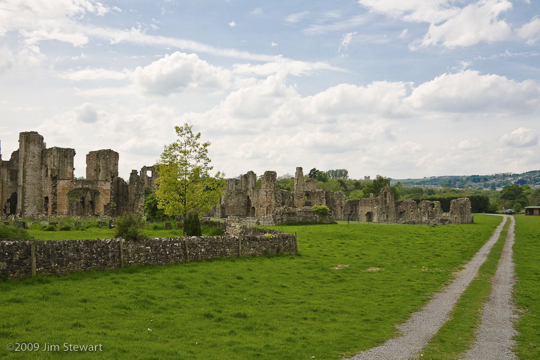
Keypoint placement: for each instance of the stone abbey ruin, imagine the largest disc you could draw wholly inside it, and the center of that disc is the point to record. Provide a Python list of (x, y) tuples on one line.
[(270, 205), (39, 181)]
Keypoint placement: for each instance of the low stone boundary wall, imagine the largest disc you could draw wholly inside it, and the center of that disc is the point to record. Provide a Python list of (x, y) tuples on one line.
[(25, 258)]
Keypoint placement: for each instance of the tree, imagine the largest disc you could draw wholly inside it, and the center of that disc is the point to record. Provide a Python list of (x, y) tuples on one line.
[(375, 186), (313, 173), (338, 174), (321, 176), (184, 185), (151, 210)]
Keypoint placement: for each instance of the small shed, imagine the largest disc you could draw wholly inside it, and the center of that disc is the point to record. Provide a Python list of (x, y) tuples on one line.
[(532, 210)]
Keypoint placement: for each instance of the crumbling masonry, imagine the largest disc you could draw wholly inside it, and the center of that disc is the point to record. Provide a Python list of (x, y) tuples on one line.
[(244, 202), (37, 181)]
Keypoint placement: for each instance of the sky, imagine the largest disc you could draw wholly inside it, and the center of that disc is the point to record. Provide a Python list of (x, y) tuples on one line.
[(400, 88)]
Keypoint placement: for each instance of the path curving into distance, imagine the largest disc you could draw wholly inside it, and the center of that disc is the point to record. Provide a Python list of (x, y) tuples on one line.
[(422, 325), (494, 337)]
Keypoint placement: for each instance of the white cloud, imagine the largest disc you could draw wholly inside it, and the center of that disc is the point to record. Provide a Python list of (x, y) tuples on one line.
[(474, 23), (257, 11), (273, 44), (30, 56), (86, 113), (403, 34), (180, 72), (323, 27), (469, 144), (346, 40), (95, 74), (41, 20), (433, 11), (294, 18), (6, 60), (59, 20), (470, 92), (450, 25), (293, 67), (520, 138), (530, 31)]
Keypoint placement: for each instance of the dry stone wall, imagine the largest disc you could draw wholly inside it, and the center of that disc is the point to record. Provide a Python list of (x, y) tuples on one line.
[(64, 257)]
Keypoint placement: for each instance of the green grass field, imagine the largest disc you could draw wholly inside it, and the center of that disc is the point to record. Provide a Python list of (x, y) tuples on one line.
[(527, 289), (282, 307), (95, 232)]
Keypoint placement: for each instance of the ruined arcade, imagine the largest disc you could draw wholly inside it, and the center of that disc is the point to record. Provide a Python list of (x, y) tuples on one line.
[(39, 181)]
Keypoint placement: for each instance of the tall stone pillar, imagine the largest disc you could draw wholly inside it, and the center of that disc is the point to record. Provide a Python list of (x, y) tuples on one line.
[(29, 181)]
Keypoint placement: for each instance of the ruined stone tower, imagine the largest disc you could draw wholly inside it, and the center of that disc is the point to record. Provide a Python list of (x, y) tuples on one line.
[(37, 181)]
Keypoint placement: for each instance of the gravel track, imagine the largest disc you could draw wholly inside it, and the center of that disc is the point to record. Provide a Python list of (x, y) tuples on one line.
[(422, 325), (494, 337)]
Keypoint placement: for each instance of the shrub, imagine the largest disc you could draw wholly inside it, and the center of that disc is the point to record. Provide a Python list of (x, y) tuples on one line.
[(130, 226), (13, 233), (50, 228), (192, 225), (65, 228), (321, 211), (493, 207)]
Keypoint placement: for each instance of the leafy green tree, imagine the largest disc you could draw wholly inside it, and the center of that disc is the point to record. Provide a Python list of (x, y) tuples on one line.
[(375, 186), (313, 173), (184, 185), (511, 192), (192, 225), (151, 210), (356, 194), (321, 176), (338, 174)]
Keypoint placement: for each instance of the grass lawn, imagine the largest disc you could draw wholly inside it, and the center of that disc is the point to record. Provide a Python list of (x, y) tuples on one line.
[(527, 288), (151, 230), (282, 307)]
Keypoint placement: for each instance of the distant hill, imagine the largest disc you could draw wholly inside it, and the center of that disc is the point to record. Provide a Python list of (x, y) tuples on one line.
[(474, 181)]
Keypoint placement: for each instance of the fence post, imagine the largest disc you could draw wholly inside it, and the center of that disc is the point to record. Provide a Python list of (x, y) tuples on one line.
[(121, 252), (33, 256), (187, 250), (239, 245)]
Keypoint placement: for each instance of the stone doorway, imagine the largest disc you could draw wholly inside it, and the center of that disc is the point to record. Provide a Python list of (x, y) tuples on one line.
[(369, 217)]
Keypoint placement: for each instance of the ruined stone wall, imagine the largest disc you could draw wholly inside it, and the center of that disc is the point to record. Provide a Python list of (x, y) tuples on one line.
[(9, 171), (270, 205), (102, 165), (336, 203), (460, 211), (64, 257), (37, 181), (58, 166)]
